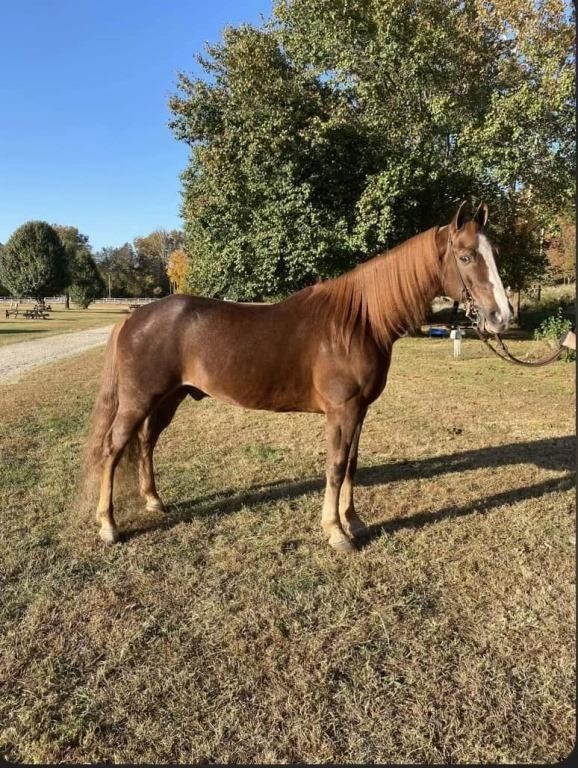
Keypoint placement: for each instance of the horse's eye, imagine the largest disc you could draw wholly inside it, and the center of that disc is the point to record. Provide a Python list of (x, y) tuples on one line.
[(466, 259)]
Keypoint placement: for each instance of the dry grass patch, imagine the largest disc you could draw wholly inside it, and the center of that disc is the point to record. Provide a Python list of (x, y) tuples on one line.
[(228, 631), (61, 320)]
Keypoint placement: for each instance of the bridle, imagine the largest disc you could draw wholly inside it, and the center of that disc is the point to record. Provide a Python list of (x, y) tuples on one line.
[(473, 314)]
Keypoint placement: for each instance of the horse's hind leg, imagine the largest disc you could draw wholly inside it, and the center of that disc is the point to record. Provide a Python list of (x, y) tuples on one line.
[(350, 522), (125, 423), (148, 435)]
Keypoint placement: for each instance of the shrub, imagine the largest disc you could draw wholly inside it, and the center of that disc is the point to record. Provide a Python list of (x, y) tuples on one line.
[(552, 329), (87, 284), (33, 261)]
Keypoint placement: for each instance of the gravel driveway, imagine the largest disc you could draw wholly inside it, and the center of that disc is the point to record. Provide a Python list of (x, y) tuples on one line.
[(17, 359)]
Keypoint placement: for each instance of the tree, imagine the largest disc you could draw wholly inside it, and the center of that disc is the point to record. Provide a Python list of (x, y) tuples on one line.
[(561, 249), (152, 254), (120, 270), (341, 128), (73, 243), (87, 283), (177, 270), (34, 262), (253, 221), (521, 242), (3, 290)]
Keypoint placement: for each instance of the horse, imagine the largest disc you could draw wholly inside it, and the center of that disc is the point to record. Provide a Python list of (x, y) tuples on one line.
[(326, 349)]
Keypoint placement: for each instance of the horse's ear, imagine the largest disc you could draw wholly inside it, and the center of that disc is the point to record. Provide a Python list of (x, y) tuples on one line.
[(462, 215), (481, 214)]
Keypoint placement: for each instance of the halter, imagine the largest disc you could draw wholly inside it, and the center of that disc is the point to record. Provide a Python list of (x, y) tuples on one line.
[(474, 315)]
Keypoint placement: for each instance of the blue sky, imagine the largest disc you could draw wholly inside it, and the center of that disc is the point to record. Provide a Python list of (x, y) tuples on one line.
[(84, 85)]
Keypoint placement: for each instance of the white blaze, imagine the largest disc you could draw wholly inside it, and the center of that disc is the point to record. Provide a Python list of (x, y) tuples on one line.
[(500, 297)]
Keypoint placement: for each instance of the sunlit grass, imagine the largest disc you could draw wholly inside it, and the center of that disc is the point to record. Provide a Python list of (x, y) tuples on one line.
[(228, 631), (60, 320)]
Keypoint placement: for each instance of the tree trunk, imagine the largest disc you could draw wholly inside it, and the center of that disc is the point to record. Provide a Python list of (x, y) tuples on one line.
[(66, 301), (518, 297)]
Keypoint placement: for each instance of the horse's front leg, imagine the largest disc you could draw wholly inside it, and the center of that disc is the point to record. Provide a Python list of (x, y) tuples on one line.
[(341, 427), (350, 522)]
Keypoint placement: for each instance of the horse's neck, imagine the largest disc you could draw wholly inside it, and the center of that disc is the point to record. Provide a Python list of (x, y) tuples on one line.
[(400, 286)]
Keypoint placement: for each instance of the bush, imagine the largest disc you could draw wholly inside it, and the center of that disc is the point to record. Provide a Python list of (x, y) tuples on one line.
[(87, 284), (552, 329), (33, 262)]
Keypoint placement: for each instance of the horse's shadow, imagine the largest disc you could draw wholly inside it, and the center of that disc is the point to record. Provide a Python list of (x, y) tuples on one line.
[(555, 453)]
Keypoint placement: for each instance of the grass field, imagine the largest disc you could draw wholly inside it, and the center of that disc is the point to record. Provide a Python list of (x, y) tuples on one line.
[(228, 631), (60, 321)]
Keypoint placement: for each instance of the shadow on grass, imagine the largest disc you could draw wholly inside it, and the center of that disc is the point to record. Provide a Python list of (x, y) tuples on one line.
[(32, 329), (513, 496), (555, 453)]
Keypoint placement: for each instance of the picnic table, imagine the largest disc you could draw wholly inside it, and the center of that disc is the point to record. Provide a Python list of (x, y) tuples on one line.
[(39, 311), (36, 313)]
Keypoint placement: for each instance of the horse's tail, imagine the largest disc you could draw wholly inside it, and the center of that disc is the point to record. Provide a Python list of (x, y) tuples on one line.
[(104, 411)]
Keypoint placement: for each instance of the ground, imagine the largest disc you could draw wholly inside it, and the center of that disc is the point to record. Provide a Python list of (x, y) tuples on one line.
[(18, 359), (60, 320), (228, 631)]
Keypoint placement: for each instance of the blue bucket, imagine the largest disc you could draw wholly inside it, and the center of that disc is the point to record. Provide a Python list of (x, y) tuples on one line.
[(439, 332)]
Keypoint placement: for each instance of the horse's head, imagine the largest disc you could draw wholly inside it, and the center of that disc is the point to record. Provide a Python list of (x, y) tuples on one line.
[(469, 266)]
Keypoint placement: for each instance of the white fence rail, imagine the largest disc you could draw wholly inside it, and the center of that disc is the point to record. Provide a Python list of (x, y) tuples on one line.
[(60, 300)]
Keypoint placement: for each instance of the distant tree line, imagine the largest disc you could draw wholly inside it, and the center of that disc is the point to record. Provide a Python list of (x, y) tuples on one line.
[(41, 260), (337, 129), (140, 268)]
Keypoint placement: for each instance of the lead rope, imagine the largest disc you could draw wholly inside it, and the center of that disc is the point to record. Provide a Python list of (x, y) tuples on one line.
[(473, 315), (509, 357)]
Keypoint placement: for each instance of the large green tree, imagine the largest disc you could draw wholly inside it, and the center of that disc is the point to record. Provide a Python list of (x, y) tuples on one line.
[(75, 245), (3, 289), (340, 128), (33, 261)]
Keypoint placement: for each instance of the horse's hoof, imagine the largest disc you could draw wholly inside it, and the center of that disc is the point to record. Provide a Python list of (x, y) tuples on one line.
[(155, 506), (359, 531), (341, 543), (109, 535)]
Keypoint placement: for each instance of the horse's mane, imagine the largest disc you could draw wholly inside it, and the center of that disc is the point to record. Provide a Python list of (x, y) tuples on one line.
[(390, 293)]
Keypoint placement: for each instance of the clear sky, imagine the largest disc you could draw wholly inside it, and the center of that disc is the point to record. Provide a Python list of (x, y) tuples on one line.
[(84, 85)]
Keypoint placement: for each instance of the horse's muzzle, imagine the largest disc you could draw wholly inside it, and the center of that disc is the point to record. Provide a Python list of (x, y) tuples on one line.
[(495, 321)]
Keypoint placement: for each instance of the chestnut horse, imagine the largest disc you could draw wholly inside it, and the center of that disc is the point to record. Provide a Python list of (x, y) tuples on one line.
[(325, 349)]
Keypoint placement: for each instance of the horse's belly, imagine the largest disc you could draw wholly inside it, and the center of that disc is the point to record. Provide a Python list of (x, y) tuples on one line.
[(262, 387)]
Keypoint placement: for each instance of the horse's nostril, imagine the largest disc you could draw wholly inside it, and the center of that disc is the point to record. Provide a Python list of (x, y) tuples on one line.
[(495, 316)]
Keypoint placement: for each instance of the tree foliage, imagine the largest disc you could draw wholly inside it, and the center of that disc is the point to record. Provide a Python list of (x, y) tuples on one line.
[(178, 270), (152, 253), (119, 268), (87, 283), (139, 269), (3, 289), (33, 261), (77, 251), (339, 128), (561, 249)]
